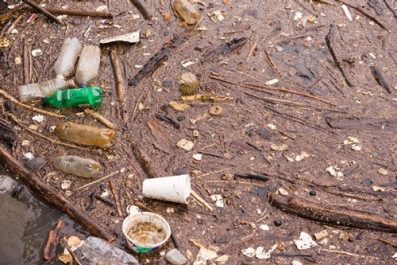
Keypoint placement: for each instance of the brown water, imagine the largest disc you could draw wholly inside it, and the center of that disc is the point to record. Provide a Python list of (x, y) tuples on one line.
[(24, 225), (147, 233)]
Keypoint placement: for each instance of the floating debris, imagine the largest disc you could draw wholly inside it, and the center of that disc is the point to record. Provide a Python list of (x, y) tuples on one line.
[(305, 241)]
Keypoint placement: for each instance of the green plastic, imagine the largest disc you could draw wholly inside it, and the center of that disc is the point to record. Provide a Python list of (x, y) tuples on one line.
[(75, 97)]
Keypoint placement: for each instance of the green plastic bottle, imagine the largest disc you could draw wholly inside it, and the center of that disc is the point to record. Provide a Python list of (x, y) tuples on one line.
[(75, 97)]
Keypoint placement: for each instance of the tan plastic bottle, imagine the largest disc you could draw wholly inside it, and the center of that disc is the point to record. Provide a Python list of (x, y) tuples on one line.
[(79, 166), (85, 135), (187, 11), (88, 66), (43, 89)]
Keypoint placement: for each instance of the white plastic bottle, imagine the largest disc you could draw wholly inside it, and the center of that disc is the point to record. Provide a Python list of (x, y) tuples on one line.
[(88, 66), (67, 58), (38, 90)]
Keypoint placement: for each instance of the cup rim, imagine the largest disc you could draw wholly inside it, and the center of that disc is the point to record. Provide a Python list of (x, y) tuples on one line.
[(136, 243)]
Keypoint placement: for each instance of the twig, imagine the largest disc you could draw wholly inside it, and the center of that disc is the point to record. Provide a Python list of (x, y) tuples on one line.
[(116, 199), (20, 124), (120, 82), (388, 242), (175, 241), (380, 79), (252, 50), (52, 241), (289, 91), (362, 11), (43, 11), (13, 25), (202, 201), (329, 40), (31, 108), (332, 215), (345, 253), (316, 81), (98, 180), (26, 64), (100, 118), (142, 8), (71, 12)]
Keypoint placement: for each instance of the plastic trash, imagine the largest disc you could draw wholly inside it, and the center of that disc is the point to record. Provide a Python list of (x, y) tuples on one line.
[(174, 189), (39, 90), (145, 232), (67, 58), (175, 257), (76, 97), (7, 184), (88, 66), (79, 166), (84, 134), (187, 11), (94, 250)]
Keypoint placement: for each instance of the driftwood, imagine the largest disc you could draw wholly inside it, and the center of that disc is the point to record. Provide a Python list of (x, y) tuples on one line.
[(331, 215), (83, 13), (52, 197), (52, 241), (224, 49), (120, 83)]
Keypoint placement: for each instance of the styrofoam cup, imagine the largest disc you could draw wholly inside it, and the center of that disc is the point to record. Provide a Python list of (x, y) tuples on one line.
[(172, 189)]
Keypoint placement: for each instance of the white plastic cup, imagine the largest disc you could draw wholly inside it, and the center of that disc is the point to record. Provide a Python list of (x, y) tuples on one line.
[(173, 189), (137, 217)]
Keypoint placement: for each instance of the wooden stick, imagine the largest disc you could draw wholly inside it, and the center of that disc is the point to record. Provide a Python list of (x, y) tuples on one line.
[(20, 124), (337, 216), (345, 253), (31, 108), (100, 118), (290, 91), (142, 8), (116, 199), (98, 180), (43, 11), (52, 197), (26, 68), (14, 24), (120, 82), (202, 201), (84, 13)]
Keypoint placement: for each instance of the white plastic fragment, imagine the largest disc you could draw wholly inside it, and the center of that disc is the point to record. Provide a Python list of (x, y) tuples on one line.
[(283, 191), (305, 241), (249, 252), (302, 156), (347, 12), (272, 82), (28, 156), (37, 52), (102, 8), (218, 199), (132, 37), (187, 63), (264, 227), (296, 262), (334, 171), (204, 255), (197, 157), (38, 118), (383, 171), (185, 144), (281, 147), (260, 253), (394, 256), (298, 16)]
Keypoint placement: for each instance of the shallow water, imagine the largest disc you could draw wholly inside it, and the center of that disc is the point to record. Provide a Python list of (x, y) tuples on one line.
[(24, 225)]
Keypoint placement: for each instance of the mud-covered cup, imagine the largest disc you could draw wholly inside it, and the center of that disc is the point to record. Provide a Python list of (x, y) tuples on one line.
[(136, 240)]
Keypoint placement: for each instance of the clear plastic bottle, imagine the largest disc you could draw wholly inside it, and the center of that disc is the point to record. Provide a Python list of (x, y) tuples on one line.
[(43, 89), (67, 58), (97, 251), (88, 66), (187, 11), (79, 166), (85, 135)]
